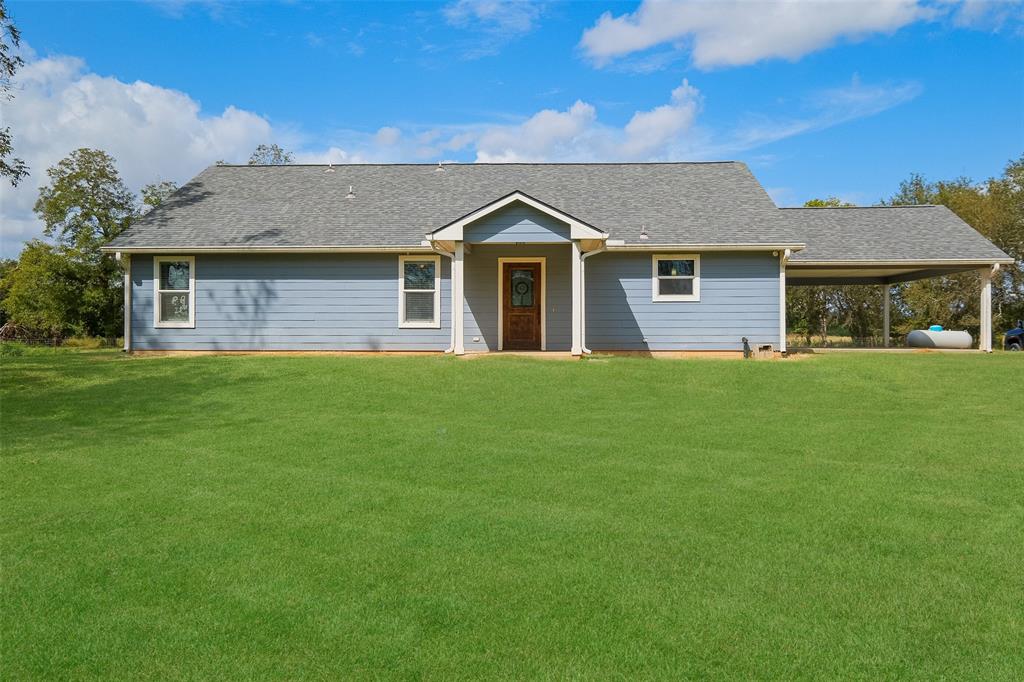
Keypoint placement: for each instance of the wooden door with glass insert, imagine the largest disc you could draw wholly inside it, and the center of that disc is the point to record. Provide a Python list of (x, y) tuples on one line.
[(520, 315)]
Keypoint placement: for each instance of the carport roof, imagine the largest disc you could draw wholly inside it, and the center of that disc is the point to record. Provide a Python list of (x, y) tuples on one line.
[(888, 234)]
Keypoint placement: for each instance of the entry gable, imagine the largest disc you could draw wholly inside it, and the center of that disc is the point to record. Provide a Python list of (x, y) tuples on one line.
[(457, 230)]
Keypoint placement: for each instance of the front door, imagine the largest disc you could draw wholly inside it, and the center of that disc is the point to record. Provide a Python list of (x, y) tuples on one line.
[(520, 315)]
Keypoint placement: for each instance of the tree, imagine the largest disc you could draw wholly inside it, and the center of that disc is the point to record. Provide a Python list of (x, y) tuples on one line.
[(7, 266), (995, 208), (11, 167), (86, 204), (156, 193), (43, 292), (270, 155)]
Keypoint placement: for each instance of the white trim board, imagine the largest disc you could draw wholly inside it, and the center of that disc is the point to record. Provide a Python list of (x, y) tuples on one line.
[(543, 297), (402, 291), (454, 231), (657, 296), (191, 322)]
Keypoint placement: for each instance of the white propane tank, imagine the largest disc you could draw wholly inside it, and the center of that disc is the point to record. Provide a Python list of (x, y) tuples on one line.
[(925, 338)]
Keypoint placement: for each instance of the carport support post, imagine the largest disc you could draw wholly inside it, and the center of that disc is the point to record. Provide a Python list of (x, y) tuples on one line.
[(985, 312), (886, 303), (458, 298)]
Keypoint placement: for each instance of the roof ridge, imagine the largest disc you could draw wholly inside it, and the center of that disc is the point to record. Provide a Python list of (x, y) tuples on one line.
[(473, 163), (818, 208)]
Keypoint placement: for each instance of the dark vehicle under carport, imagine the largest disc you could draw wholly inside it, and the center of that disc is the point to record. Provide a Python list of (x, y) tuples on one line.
[(1014, 339)]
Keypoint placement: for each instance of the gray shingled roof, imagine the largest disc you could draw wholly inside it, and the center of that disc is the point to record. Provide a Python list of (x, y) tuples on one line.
[(396, 205), (887, 233)]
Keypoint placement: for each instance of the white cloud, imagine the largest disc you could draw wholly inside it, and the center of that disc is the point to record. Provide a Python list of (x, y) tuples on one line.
[(388, 136), (649, 131), (736, 32), (160, 134), (505, 16), (824, 109), (491, 23), (989, 15), (153, 132), (545, 134)]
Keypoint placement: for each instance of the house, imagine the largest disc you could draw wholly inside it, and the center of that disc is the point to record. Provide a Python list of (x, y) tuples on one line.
[(487, 257)]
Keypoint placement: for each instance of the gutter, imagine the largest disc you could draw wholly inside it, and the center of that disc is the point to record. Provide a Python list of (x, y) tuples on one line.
[(419, 248), (619, 245), (898, 262), (611, 245)]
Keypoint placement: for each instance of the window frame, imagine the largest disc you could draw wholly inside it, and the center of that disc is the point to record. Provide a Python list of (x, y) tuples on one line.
[(402, 291), (657, 296), (191, 322)]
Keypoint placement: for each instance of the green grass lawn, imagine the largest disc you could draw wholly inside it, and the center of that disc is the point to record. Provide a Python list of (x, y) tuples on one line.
[(427, 517)]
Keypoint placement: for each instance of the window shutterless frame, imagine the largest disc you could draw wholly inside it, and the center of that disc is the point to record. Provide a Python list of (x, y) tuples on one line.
[(435, 323), (656, 294), (190, 323)]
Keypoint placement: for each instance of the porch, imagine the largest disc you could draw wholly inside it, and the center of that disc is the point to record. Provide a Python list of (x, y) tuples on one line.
[(517, 276)]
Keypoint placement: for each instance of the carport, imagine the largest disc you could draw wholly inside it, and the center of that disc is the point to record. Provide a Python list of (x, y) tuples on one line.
[(886, 245)]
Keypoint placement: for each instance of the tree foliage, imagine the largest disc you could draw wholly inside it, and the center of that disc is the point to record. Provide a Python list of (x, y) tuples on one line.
[(70, 287), (42, 292), (156, 193), (11, 167), (995, 208), (86, 203), (270, 155)]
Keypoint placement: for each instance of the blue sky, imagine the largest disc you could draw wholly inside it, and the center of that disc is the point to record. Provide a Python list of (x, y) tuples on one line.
[(822, 98)]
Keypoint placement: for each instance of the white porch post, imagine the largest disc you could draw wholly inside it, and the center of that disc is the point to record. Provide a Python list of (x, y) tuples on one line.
[(783, 259), (577, 299), (127, 300), (458, 298), (886, 296), (985, 333)]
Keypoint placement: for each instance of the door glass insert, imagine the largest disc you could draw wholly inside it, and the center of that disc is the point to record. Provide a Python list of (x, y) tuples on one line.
[(522, 288)]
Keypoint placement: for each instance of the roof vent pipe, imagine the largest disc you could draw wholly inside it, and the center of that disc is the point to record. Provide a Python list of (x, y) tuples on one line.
[(643, 232), (330, 168), (351, 194), (440, 168)]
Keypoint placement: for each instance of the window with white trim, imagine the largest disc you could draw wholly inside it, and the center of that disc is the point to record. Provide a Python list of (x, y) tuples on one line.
[(174, 291), (419, 297), (675, 277)]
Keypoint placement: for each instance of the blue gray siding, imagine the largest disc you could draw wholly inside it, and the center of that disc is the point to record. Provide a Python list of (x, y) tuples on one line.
[(481, 316), (289, 302), (739, 296), (350, 302), (517, 222)]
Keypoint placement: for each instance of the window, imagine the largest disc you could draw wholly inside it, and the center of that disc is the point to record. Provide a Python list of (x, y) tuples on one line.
[(419, 299), (676, 277), (174, 296)]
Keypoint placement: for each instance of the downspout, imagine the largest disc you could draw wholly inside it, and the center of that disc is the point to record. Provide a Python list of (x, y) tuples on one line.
[(583, 293), (451, 285)]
